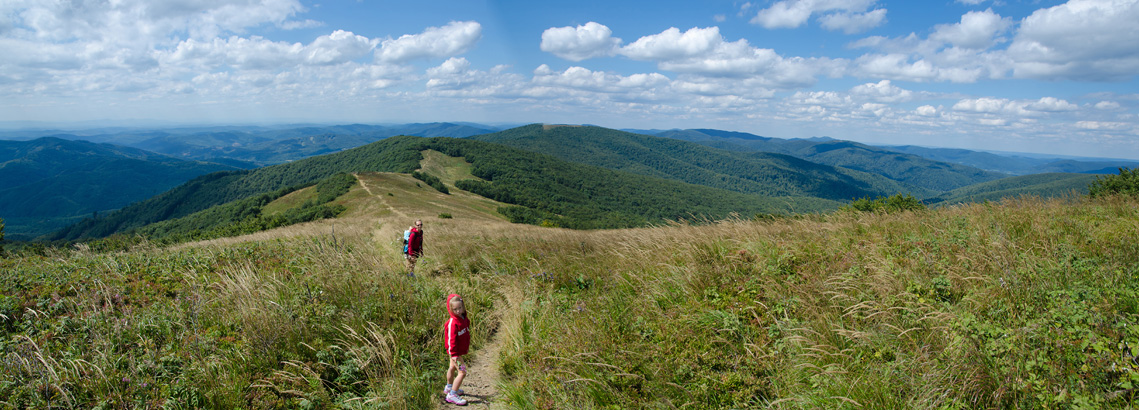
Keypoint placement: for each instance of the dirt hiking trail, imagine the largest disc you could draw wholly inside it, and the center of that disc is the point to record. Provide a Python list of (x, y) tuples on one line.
[(481, 383)]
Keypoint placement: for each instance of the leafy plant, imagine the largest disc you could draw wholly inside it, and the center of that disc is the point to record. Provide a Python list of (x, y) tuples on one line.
[(1125, 183)]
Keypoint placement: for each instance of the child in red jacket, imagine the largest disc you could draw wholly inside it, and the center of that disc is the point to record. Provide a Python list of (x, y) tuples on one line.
[(457, 339)]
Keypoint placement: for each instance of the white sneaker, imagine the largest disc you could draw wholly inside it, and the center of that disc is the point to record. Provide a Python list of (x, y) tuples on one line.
[(455, 399)]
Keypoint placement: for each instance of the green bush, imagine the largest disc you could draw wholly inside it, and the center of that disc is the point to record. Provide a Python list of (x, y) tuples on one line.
[(896, 203), (431, 180), (1126, 183)]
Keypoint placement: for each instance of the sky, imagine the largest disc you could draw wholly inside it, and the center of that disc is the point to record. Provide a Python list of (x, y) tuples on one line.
[(1056, 77)]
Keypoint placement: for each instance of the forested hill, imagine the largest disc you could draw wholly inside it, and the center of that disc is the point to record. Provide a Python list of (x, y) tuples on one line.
[(905, 168), (1043, 185), (46, 182), (754, 173), (544, 189)]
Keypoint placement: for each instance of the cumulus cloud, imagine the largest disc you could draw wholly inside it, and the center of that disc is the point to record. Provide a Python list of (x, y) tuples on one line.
[(435, 42), (850, 16), (883, 91), (926, 111), (976, 30), (1081, 39), (672, 45), (579, 43), (703, 51), (257, 53), (960, 52), (580, 78), (1051, 104)]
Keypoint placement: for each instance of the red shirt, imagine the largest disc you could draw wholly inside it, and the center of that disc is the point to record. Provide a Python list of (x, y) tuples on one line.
[(415, 243), (458, 331)]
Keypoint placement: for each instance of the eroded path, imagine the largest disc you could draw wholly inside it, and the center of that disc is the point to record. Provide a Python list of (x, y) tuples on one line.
[(483, 377)]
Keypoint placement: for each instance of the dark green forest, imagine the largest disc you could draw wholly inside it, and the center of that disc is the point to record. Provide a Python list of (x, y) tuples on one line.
[(1043, 185), (47, 181), (245, 216), (935, 177), (752, 173), (564, 193)]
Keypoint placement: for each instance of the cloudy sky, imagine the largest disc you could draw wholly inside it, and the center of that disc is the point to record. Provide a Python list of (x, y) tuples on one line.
[(1019, 75)]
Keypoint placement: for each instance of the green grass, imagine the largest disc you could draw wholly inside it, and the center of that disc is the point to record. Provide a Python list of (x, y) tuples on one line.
[(293, 200), (1020, 304)]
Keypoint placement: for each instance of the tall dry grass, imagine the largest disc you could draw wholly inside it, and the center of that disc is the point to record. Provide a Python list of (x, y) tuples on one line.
[(1020, 304)]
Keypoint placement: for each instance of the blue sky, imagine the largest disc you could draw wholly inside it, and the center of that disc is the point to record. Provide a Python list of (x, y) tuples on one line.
[(1032, 76)]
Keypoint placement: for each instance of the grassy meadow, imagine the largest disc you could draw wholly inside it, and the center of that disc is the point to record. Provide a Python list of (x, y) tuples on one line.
[(1024, 303)]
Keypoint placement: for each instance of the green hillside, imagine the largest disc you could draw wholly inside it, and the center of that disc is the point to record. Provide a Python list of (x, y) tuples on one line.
[(909, 169), (48, 181), (1020, 304), (753, 173), (1042, 185), (543, 188)]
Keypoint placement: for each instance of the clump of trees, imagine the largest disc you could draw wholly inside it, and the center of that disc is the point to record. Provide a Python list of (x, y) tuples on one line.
[(431, 180), (1126, 183), (896, 203)]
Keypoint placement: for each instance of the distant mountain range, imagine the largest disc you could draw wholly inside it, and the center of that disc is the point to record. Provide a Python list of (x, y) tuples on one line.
[(251, 147), (49, 182), (574, 176), (1010, 163)]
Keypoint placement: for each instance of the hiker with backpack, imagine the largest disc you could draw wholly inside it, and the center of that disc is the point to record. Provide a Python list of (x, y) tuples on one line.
[(413, 246)]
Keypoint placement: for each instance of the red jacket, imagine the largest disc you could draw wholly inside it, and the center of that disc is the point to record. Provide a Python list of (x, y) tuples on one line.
[(415, 243), (457, 332)]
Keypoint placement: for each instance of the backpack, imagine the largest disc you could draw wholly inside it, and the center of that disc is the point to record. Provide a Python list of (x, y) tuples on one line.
[(406, 236)]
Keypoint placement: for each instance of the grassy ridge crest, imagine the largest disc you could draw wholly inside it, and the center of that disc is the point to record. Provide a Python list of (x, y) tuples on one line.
[(1023, 303)]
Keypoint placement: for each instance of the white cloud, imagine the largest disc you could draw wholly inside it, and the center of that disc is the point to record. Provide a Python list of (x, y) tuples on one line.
[(579, 43), (851, 16), (1107, 105), (148, 22), (895, 66), (672, 45), (977, 30), (703, 51), (583, 79), (435, 42), (958, 52), (851, 23), (256, 53), (1051, 104), (926, 111), (1103, 125), (883, 92), (1081, 39), (988, 105)]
